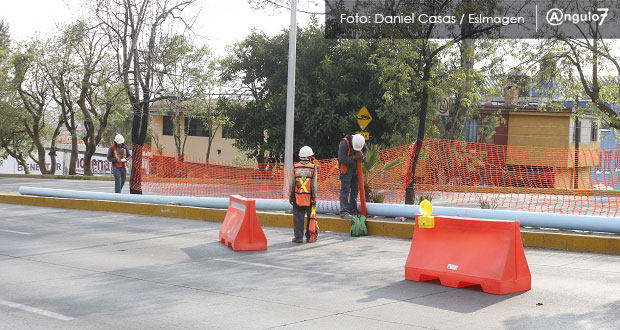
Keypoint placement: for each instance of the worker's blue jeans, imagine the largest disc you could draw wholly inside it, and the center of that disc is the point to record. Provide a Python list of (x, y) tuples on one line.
[(120, 174), (348, 192)]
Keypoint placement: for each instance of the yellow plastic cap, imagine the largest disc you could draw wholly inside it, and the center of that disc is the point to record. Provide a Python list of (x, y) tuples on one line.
[(426, 208)]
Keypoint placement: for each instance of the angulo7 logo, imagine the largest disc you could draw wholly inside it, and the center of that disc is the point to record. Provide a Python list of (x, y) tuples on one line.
[(555, 16)]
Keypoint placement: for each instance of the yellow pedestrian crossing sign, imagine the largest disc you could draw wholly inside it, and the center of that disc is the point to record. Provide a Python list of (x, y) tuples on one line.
[(363, 118)]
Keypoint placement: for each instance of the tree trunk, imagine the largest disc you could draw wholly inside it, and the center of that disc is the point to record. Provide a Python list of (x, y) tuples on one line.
[(24, 164), (209, 148), (410, 192), (40, 160), (52, 154), (19, 158), (135, 181), (74, 153), (88, 156), (467, 50)]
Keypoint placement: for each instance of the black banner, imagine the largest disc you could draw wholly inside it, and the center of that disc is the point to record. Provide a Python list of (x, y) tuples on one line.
[(434, 19)]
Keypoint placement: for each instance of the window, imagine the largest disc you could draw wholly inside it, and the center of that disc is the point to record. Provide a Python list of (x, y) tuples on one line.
[(168, 126), (594, 132), (577, 132), (197, 127), (470, 130)]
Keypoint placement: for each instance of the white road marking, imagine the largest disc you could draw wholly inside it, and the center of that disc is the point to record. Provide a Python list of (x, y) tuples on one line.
[(276, 267), (36, 310), (15, 232)]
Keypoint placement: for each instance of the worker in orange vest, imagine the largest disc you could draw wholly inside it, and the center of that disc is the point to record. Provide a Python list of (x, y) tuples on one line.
[(351, 148), (118, 154), (303, 192)]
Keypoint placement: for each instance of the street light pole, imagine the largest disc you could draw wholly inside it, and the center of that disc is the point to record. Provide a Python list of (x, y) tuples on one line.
[(290, 100)]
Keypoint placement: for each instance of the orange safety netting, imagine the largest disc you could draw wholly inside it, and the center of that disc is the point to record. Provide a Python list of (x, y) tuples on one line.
[(451, 172)]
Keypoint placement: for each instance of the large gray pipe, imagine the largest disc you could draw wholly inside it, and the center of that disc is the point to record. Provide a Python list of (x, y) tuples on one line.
[(532, 219)]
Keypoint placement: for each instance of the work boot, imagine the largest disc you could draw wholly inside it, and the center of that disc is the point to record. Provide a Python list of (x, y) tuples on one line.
[(297, 240)]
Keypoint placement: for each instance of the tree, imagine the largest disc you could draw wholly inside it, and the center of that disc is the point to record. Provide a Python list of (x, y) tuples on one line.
[(187, 76), (133, 28), (62, 74), (595, 65), (101, 93), (41, 123), (210, 111), (573, 65), (408, 69), (13, 138), (333, 82), (258, 65)]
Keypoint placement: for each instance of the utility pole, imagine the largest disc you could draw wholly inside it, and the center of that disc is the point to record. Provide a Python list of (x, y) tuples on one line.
[(290, 100)]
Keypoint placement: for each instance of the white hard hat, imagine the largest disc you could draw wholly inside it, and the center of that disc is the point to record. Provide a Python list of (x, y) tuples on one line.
[(119, 139), (305, 152), (358, 142)]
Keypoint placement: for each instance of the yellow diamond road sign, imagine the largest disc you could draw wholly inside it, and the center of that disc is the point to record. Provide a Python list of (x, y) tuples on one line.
[(365, 134), (363, 118)]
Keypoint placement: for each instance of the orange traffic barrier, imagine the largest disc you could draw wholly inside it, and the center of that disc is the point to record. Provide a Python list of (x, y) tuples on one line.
[(241, 229), (462, 252)]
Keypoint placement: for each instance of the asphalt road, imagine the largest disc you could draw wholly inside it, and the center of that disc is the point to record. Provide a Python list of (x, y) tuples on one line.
[(69, 269)]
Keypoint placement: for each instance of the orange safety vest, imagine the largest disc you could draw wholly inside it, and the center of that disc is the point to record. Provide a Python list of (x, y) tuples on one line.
[(343, 166), (303, 183), (117, 156)]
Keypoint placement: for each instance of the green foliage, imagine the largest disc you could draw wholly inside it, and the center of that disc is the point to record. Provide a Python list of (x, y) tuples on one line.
[(373, 168), (14, 140), (5, 41), (376, 197), (188, 79), (565, 69), (486, 202), (333, 82), (424, 195)]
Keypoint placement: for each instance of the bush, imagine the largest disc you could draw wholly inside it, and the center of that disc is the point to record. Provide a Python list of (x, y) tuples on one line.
[(488, 202)]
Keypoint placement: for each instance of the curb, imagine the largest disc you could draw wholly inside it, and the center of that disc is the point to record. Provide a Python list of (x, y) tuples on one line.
[(554, 241)]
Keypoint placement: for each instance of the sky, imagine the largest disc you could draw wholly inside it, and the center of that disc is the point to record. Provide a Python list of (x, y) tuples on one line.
[(219, 23)]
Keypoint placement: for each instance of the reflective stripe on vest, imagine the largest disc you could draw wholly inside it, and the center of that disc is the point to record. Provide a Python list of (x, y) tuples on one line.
[(343, 166), (117, 156), (303, 183)]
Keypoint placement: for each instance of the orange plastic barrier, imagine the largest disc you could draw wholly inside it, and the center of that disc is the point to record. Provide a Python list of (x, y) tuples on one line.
[(241, 229), (462, 252)]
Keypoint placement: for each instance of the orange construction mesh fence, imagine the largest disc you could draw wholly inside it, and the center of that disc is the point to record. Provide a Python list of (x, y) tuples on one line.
[(559, 180)]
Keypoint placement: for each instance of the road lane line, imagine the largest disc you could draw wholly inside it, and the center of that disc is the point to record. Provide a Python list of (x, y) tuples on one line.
[(15, 232), (36, 310), (276, 267)]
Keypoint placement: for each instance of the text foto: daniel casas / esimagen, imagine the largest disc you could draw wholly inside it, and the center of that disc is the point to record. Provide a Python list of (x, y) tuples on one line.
[(429, 19)]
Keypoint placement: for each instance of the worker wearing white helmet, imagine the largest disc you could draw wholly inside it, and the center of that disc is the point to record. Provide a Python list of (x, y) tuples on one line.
[(351, 148), (118, 154), (303, 192)]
